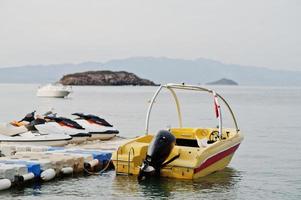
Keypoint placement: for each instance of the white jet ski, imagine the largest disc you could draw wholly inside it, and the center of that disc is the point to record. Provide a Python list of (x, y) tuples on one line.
[(17, 127), (61, 125), (31, 138), (98, 127), (24, 132)]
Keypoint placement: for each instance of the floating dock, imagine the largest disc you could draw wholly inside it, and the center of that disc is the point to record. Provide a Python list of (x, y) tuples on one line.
[(21, 164)]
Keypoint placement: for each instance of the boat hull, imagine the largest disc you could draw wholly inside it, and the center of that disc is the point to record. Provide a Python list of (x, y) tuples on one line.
[(79, 139), (32, 138), (55, 94), (215, 163), (101, 136), (208, 166), (98, 132)]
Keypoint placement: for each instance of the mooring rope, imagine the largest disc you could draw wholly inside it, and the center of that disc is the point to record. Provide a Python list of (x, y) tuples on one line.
[(101, 171)]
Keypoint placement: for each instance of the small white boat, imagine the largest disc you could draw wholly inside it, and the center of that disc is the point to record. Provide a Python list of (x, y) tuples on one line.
[(30, 138), (54, 90)]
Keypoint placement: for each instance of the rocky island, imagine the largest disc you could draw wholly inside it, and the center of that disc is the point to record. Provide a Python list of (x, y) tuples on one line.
[(104, 78), (223, 81)]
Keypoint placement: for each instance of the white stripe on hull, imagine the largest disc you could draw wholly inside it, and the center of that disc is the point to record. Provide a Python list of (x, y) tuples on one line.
[(55, 143)]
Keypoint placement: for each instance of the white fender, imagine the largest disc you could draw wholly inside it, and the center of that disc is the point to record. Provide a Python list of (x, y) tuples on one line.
[(67, 170), (48, 174), (5, 184), (27, 177)]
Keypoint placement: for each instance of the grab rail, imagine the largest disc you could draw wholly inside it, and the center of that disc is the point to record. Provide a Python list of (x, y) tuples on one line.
[(129, 158), (131, 152)]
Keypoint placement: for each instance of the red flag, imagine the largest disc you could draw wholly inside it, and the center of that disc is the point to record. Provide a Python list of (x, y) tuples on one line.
[(216, 105)]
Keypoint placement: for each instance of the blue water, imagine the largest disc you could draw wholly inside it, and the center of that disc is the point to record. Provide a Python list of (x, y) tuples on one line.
[(266, 166)]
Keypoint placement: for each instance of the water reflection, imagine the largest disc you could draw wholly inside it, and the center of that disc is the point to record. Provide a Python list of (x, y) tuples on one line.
[(216, 185), (224, 181)]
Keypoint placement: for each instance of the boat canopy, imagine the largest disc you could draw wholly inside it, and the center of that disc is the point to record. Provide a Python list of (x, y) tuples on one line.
[(171, 87)]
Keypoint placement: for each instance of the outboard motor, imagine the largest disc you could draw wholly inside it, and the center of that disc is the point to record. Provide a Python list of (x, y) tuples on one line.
[(158, 151)]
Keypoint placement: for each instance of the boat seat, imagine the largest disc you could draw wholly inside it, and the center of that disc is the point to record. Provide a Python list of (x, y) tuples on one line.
[(186, 142), (190, 137)]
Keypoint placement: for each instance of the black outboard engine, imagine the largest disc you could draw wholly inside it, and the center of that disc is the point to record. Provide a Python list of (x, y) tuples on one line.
[(158, 151)]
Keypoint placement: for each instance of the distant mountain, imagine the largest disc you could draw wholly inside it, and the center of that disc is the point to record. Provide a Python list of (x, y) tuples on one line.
[(159, 70), (43, 73), (223, 81)]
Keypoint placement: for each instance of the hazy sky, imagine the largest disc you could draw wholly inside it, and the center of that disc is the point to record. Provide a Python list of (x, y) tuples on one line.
[(250, 32)]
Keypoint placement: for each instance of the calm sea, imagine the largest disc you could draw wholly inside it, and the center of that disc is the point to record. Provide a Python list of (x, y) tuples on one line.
[(266, 166)]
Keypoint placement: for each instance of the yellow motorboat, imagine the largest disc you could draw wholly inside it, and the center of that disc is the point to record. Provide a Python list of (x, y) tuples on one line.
[(181, 152)]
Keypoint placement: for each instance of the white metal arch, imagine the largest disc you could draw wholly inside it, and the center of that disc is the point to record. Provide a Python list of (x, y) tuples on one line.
[(171, 88)]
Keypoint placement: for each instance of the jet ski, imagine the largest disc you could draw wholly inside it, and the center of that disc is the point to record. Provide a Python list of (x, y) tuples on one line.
[(17, 127), (59, 125), (24, 132), (50, 124), (25, 124), (98, 127)]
